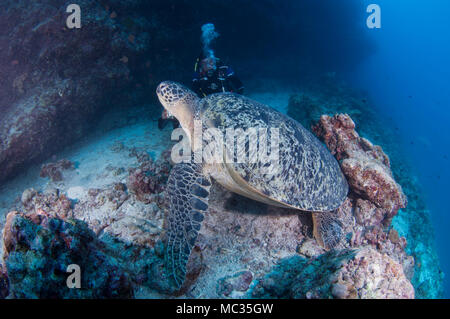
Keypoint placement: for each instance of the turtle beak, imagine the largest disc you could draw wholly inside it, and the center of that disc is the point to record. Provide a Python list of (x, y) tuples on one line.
[(162, 91), (162, 87)]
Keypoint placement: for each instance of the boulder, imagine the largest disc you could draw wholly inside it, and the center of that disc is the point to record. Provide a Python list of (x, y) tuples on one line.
[(366, 166)]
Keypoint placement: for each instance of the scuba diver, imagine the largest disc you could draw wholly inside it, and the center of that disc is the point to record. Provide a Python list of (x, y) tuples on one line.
[(165, 118), (212, 76)]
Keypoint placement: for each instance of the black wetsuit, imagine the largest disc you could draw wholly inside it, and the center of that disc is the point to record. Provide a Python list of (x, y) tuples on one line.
[(223, 79)]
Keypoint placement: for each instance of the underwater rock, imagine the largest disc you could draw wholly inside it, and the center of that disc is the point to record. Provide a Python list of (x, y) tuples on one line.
[(339, 134), (414, 222), (38, 250), (367, 213), (51, 203), (114, 212), (131, 212), (150, 177), (123, 229), (366, 166), (61, 79), (54, 170), (374, 196), (236, 285), (239, 234), (144, 265), (372, 275), (363, 273), (310, 248), (298, 277), (362, 227)]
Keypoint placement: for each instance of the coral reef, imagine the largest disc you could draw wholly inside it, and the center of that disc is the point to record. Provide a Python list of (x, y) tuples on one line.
[(243, 248), (150, 177), (365, 166), (330, 97), (54, 170), (346, 274), (38, 250), (241, 241), (51, 203), (132, 212), (371, 274), (120, 238), (56, 83)]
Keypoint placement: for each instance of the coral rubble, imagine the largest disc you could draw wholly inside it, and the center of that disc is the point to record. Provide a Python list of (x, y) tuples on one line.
[(150, 177), (55, 170)]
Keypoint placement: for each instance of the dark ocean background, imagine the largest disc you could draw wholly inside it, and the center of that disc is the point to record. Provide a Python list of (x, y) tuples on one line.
[(400, 72)]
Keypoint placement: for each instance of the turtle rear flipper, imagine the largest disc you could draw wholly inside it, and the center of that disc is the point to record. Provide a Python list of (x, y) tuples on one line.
[(328, 229), (188, 192)]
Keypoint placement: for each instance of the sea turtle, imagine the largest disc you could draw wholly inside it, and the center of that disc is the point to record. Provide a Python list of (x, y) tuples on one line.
[(307, 178)]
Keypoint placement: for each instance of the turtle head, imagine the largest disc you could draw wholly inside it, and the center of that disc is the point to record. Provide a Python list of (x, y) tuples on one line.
[(179, 101)]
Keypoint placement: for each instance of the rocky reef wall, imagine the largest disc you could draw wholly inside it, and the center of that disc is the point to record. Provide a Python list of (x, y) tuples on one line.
[(56, 82)]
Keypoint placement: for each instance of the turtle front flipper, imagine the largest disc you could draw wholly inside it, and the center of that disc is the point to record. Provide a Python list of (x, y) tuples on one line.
[(188, 192), (328, 229)]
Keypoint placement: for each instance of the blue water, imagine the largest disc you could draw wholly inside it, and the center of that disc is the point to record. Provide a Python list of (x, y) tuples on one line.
[(408, 78)]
